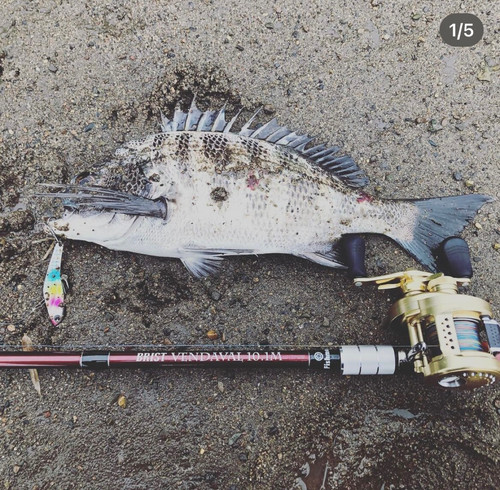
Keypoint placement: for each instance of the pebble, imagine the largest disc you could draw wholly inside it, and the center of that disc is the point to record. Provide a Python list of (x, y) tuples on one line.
[(484, 74), (122, 401), (460, 126), (497, 402), (469, 183), (457, 176), (52, 68), (243, 457), (269, 109), (434, 126), (326, 322), (234, 438), (215, 295), (239, 47), (273, 430), (89, 127), (220, 385), (496, 246)]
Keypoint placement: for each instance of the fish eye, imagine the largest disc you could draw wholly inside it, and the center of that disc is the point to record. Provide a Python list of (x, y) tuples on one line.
[(84, 178), (57, 318)]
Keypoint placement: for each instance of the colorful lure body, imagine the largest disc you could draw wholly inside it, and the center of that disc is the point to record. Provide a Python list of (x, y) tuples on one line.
[(53, 290)]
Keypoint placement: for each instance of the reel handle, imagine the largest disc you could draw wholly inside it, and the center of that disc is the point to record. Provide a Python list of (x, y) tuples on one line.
[(354, 248), (455, 258)]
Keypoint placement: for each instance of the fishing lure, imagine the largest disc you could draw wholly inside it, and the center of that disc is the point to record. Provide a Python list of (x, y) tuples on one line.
[(53, 289)]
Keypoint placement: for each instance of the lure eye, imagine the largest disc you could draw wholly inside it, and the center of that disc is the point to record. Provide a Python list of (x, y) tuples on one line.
[(57, 318)]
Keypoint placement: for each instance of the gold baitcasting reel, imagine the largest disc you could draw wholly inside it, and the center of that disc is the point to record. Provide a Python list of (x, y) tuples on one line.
[(455, 342)]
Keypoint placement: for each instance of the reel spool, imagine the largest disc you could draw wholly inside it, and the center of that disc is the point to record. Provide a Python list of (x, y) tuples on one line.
[(455, 341)]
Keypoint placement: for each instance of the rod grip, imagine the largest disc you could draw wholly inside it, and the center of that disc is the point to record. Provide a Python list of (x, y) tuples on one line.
[(455, 257), (354, 253)]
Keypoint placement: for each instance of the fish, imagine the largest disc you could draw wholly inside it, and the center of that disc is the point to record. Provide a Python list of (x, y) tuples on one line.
[(200, 191), (53, 289)]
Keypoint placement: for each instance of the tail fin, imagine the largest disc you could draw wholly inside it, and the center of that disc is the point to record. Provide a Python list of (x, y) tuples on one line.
[(440, 218)]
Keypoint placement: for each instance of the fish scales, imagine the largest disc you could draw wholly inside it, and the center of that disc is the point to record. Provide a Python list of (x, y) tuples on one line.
[(202, 195)]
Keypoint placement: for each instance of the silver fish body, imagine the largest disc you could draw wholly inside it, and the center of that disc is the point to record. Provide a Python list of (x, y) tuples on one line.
[(199, 192)]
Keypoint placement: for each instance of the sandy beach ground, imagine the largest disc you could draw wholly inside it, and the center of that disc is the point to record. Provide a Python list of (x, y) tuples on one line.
[(77, 79)]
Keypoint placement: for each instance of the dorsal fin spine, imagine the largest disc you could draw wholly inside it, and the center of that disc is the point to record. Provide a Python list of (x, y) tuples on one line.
[(343, 167)]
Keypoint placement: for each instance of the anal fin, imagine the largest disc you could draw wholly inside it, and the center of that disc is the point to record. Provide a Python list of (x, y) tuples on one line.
[(332, 258), (201, 264)]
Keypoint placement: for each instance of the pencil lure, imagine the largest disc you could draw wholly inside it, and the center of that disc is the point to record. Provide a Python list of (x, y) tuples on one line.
[(53, 290)]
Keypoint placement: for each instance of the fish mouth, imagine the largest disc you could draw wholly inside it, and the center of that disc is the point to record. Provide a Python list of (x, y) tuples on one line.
[(78, 197)]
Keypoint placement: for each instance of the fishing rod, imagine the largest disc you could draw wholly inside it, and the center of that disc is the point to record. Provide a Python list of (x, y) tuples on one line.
[(454, 339)]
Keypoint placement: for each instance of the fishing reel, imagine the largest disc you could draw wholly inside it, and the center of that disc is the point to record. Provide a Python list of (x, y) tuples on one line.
[(455, 342)]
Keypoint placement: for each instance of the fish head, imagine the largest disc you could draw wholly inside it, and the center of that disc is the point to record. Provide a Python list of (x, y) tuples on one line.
[(124, 175), (102, 204)]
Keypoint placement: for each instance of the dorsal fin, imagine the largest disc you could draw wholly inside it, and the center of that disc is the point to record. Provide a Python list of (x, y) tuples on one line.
[(342, 166)]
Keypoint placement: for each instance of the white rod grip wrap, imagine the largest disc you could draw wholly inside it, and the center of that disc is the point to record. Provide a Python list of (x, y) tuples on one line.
[(367, 359)]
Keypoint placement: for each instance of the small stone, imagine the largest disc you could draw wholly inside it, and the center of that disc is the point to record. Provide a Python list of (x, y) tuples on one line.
[(243, 457), (433, 143), (434, 126), (416, 16), (11, 328), (234, 438), (89, 127), (497, 403), (457, 176), (484, 73), (273, 430), (212, 334), (269, 109), (269, 25), (202, 450), (478, 226), (52, 68), (496, 246), (326, 322), (220, 385), (122, 401), (256, 279), (16, 469), (239, 47), (460, 126), (469, 183), (215, 295), (445, 122)]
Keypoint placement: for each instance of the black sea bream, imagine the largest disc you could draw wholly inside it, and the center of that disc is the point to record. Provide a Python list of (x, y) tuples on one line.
[(199, 192)]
